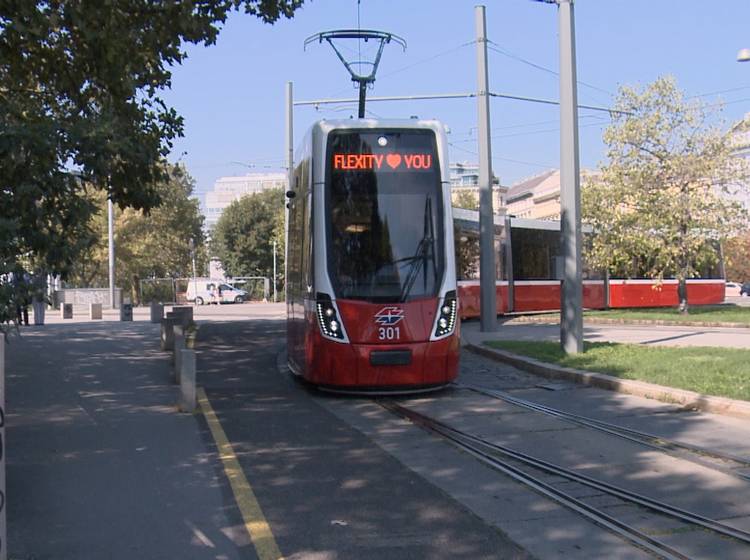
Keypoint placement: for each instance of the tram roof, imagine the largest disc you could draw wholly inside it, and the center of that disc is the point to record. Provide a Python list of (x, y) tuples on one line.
[(332, 124), (470, 220)]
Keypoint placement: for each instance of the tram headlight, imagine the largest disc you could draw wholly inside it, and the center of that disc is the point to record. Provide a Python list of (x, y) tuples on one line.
[(448, 312), (328, 320)]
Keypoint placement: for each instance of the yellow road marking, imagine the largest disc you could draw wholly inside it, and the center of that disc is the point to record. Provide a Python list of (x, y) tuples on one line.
[(255, 522)]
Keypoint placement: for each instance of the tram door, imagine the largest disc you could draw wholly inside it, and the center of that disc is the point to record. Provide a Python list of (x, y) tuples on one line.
[(299, 283)]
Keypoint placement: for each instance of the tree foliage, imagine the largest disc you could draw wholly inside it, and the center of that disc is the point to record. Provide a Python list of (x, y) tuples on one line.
[(80, 104), (737, 257), (661, 204), (153, 245), (466, 199), (243, 237)]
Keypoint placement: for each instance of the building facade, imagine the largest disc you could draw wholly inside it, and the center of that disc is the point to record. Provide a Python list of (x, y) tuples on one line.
[(538, 197), (464, 178), (228, 189)]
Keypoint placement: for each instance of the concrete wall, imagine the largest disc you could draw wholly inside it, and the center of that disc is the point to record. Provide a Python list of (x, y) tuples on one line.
[(86, 296)]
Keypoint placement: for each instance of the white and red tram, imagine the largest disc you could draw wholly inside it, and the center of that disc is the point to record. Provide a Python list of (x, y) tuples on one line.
[(529, 266), (371, 282)]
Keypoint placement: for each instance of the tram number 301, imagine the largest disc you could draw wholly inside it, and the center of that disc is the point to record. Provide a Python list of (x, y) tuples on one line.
[(389, 333)]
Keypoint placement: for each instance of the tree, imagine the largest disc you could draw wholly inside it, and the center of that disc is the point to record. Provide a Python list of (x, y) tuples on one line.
[(154, 245), (661, 206), (80, 104), (737, 257), (243, 237), (466, 199)]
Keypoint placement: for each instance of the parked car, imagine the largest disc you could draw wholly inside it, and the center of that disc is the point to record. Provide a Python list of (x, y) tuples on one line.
[(745, 289), (732, 289), (213, 291)]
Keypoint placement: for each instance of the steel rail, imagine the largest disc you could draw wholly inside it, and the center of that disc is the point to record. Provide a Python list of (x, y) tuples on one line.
[(595, 515), (665, 445), (655, 505)]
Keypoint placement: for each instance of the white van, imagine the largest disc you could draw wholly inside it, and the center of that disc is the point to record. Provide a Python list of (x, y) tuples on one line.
[(203, 291)]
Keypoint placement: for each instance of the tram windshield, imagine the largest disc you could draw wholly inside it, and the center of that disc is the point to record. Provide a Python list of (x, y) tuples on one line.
[(384, 201)]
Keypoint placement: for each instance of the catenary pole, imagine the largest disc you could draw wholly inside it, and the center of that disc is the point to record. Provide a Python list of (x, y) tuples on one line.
[(571, 306), (290, 172), (274, 271), (488, 312), (111, 232)]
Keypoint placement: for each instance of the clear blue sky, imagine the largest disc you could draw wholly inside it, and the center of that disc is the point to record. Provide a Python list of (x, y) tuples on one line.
[(232, 94)]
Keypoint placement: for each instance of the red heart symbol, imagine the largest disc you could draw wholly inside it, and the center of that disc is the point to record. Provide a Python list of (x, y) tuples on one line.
[(394, 160)]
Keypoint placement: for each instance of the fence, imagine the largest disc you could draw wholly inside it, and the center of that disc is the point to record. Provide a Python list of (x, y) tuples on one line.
[(172, 290), (163, 290)]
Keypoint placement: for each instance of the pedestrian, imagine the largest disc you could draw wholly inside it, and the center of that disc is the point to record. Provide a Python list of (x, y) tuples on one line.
[(22, 284)]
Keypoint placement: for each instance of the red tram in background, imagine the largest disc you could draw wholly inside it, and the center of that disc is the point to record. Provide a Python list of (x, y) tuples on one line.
[(371, 284), (529, 265)]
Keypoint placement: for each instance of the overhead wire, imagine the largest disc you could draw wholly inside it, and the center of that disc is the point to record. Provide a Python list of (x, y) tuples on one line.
[(472, 137), (533, 164), (498, 49), (532, 132)]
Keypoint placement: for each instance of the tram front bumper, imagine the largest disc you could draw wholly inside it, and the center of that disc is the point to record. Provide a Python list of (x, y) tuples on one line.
[(378, 366)]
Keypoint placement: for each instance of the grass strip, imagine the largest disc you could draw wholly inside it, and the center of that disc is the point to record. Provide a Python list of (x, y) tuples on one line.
[(698, 314), (723, 372)]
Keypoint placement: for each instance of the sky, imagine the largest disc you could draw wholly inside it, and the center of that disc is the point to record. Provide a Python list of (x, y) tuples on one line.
[(232, 94)]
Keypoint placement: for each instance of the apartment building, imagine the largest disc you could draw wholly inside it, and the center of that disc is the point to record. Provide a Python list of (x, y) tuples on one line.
[(228, 189)]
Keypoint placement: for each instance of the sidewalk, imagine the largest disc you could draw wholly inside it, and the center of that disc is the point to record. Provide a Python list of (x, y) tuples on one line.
[(99, 462), (473, 339), (657, 335)]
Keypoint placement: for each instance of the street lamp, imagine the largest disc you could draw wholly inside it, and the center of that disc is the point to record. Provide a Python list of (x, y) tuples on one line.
[(743, 55)]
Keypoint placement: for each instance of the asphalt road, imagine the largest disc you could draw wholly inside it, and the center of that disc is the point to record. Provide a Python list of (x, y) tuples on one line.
[(100, 464), (327, 491)]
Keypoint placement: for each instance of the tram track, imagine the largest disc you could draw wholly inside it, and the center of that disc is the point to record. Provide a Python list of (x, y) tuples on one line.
[(703, 456), (530, 471)]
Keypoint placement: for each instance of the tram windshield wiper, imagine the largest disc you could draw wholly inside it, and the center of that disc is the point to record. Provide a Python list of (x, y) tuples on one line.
[(425, 250)]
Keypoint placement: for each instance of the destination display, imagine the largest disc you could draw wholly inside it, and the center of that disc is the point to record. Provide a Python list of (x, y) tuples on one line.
[(382, 162)]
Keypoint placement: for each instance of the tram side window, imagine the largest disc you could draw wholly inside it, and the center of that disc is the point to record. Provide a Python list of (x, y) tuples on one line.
[(305, 227), (467, 254), (294, 266), (537, 254)]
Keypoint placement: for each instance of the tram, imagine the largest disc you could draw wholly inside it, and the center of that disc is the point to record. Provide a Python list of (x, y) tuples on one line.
[(529, 267), (371, 283)]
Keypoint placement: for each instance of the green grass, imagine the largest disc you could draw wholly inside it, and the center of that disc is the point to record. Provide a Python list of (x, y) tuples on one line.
[(698, 314), (723, 372)]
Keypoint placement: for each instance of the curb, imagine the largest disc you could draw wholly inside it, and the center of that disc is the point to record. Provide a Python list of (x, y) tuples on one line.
[(605, 321), (689, 400)]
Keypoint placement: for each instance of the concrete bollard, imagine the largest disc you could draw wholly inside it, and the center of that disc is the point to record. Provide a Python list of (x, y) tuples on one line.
[(157, 312), (167, 333), (186, 310), (184, 317), (126, 312), (66, 311), (179, 344), (95, 311), (187, 381)]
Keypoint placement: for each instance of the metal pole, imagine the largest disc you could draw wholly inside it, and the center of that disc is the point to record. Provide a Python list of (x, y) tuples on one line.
[(362, 95), (274, 271), (4, 503), (290, 173), (571, 306), (192, 256), (111, 228), (488, 312), (509, 264)]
